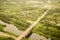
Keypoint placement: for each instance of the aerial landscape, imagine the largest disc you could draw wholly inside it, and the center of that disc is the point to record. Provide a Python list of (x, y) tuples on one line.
[(29, 19)]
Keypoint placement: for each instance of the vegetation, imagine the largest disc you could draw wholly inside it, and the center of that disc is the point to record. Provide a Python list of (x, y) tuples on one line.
[(6, 38), (17, 12), (26, 39), (49, 26), (1, 27)]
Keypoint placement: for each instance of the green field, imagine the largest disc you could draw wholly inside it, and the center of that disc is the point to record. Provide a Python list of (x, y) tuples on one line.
[(49, 25), (18, 12)]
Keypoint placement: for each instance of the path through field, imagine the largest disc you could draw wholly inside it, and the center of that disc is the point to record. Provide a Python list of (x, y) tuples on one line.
[(25, 33)]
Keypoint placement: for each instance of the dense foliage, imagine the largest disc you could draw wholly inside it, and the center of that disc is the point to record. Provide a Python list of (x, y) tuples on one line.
[(17, 12), (6, 38), (1, 27), (49, 26)]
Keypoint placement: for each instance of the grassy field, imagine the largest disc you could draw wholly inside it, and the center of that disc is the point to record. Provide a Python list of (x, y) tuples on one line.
[(6, 38), (49, 26), (17, 12)]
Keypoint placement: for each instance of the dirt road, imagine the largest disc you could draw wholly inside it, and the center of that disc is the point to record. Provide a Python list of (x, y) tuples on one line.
[(26, 32)]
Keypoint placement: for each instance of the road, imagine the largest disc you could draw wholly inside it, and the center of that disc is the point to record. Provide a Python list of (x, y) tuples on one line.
[(27, 31)]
